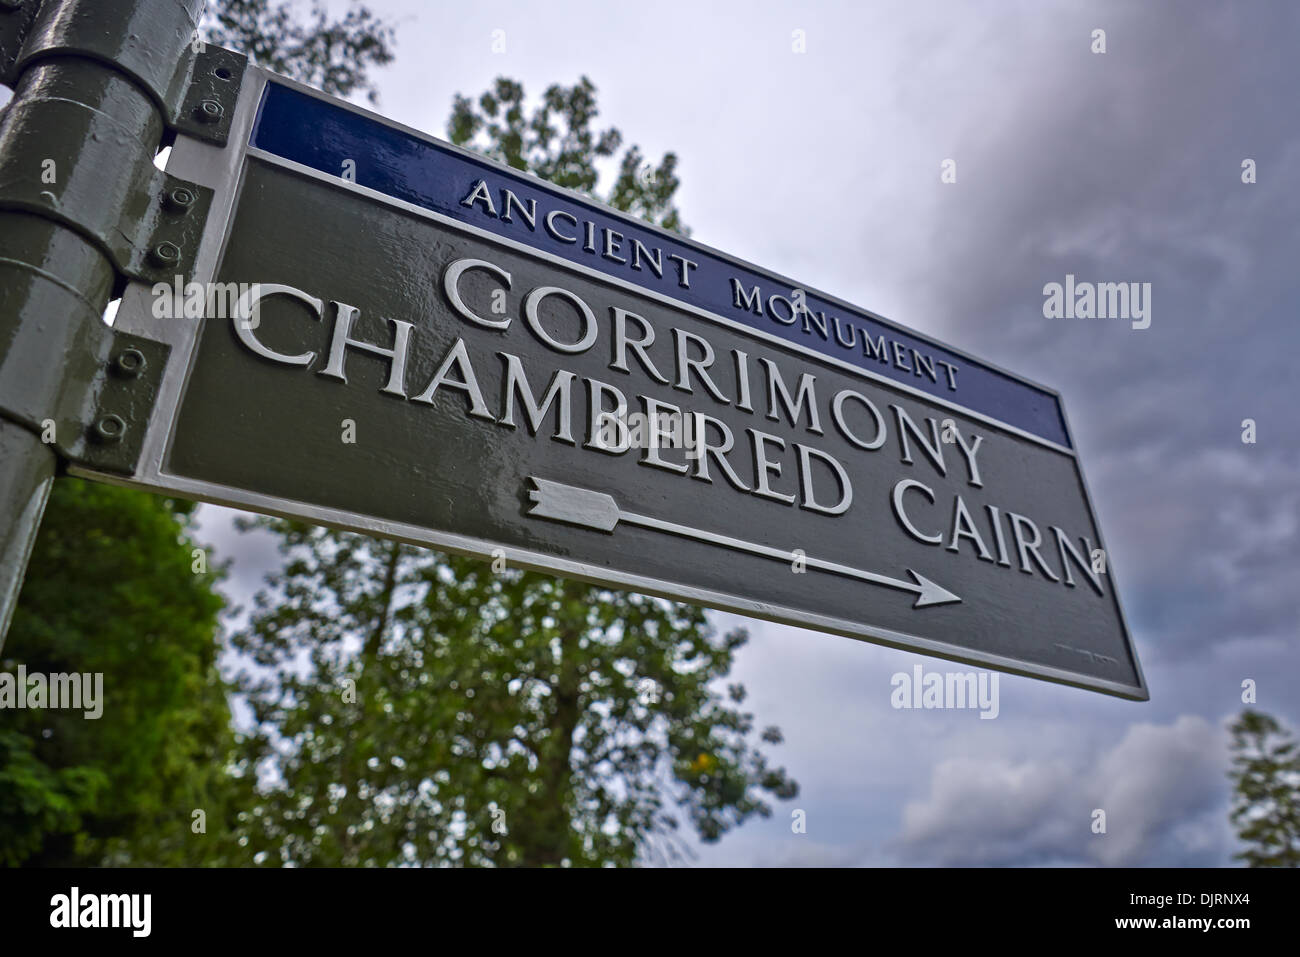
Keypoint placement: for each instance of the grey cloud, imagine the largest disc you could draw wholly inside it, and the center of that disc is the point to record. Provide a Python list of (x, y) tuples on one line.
[(1162, 788)]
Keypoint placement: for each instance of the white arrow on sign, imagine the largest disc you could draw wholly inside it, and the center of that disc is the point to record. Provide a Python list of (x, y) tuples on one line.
[(580, 506)]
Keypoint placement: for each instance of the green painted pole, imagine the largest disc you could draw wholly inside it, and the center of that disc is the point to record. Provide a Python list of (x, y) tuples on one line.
[(93, 85), (26, 474), (53, 282)]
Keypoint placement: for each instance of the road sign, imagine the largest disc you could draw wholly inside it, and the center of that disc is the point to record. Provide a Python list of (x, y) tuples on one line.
[(403, 338)]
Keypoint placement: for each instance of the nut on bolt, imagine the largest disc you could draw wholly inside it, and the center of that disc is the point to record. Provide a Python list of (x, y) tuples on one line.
[(165, 254), (210, 111), (130, 362), (109, 428), (180, 199)]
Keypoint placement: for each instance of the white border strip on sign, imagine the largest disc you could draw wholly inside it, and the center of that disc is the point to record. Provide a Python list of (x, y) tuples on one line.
[(223, 170)]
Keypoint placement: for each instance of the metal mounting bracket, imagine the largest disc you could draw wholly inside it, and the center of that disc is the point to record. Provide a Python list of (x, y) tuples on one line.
[(209, 104), (102, 422), (194, 83), (74, 162), (123, 393)]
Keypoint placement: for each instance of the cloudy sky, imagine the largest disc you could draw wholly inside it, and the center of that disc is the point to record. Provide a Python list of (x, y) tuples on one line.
[(1121, 166)]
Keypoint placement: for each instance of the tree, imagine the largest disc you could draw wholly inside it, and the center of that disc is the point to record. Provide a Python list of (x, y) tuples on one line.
[(558, 144), (415, 708), (112, 587), (333, 55), (1266, 784)]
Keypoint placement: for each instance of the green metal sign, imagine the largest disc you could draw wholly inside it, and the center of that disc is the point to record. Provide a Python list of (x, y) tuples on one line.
[(386, 334)]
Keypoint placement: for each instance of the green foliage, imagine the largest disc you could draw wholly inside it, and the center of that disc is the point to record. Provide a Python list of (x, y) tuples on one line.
[(1266, 784), (436, 698), (37, 800), (418, 709), (111, 588), (556, 142), (333, 55)]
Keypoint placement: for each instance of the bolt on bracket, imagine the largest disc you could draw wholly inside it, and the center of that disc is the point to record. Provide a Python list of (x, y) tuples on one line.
[(102, 421), (209, 104), (194, 84), (124, 396), (151, 235)]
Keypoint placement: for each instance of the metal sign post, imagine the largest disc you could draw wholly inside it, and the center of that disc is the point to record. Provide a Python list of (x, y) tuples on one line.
[(26, 472), (82, 211)]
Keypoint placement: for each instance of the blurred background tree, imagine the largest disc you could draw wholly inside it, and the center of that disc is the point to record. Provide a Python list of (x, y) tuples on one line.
[(1266, 790), (332, 54), (113, 586), (413, 708)]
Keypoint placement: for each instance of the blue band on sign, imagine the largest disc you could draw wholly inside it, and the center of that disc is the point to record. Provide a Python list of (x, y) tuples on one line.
[(333, 138)]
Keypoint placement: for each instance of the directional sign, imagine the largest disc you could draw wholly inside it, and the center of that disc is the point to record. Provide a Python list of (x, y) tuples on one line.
[(400, 337)]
